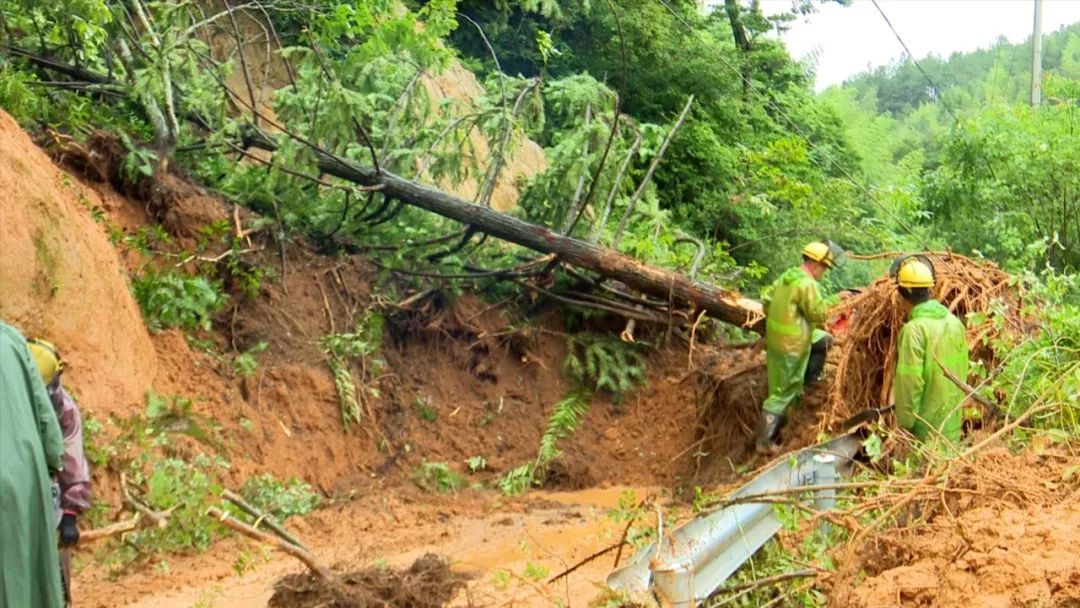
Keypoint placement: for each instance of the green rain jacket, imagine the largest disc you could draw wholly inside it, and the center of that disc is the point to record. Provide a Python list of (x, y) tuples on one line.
[(927, 403), (794, 313), (31, 448)]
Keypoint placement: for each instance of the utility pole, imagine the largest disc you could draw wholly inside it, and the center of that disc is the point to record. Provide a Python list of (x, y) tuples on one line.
[(1036, 56)]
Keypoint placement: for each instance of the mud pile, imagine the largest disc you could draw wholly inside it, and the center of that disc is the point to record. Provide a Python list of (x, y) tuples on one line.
[(61, 278), (427, 583), (1002, 532)]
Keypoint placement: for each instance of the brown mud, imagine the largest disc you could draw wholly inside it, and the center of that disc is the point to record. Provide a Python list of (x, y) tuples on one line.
[(427, 583), (1004, 533)]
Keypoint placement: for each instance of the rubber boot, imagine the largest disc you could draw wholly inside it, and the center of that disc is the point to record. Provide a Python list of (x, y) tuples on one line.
[(768, 429), (815, 367)]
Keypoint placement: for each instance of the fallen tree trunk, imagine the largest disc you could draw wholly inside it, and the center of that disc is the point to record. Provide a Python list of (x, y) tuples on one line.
[(722, 304)]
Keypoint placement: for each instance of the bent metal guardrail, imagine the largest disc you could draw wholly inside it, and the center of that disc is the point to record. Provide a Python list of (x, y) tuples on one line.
[(696, 558)]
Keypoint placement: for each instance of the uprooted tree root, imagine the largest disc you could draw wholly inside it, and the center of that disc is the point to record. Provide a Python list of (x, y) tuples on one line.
[(731, 385), (864, 371), (427, 583)]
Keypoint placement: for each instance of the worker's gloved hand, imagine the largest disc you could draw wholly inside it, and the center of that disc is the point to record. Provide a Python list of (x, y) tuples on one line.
[(69, 531)]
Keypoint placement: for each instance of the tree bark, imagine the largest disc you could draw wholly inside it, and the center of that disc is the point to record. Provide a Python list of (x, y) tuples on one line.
[(731, 7), (722, 304)]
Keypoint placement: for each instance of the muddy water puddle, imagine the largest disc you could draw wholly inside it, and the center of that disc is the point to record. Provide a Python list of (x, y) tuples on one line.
[(510, 555)]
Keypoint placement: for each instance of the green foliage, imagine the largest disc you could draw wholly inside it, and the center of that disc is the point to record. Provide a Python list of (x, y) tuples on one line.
[(640, 516), (281, 499), (170, 299), (187, 489), (357, 348), (422, 405), (146, 239), (138, 162), (517, 481), (175, 414), (476, 463), (1011, 172), (500, 579), (1043, 369), (98, 453), (17, 94), (565, 418), (245, 364), (536, 571), (1000, 74), (182, 487), (606, 364), (438, 477)]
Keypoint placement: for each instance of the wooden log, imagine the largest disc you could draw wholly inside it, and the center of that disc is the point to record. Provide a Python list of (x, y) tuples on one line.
[(722, 304)]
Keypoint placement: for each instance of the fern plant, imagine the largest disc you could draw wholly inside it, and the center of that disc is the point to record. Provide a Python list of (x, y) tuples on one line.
[(605, 364), (359, 346), (564, 420)]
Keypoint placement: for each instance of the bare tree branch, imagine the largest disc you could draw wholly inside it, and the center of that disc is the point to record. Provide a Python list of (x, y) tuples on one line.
[(649, 174)]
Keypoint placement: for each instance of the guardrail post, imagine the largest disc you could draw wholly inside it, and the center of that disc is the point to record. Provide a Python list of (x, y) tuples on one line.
[(825, 475)]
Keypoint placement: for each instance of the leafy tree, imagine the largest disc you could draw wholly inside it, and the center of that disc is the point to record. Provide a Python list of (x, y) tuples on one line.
[(1008, 180)]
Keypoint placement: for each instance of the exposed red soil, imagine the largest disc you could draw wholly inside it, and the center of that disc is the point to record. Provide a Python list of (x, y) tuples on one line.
[(61, 279), (490, 396), (1004, 535)]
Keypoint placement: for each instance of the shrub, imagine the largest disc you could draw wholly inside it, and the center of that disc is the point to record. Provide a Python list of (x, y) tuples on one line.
[(170, 299)]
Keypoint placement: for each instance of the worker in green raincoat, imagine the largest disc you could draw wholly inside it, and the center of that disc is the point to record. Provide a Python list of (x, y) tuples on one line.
[(795, 343), (31, 449), (927, 403)]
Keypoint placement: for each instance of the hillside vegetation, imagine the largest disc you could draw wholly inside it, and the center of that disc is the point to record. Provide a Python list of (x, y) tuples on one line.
[(236, 249)]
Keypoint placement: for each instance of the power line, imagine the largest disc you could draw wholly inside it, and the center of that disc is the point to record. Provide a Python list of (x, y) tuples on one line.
[(941, 98), (750, 86), (933, 85)]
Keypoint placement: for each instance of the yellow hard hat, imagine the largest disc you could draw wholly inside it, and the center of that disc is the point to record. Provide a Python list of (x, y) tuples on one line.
[(819, 252), (914, 274), (47, 358)]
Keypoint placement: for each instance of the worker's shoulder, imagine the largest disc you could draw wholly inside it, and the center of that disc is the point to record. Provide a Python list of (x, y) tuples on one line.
[(8, 332)]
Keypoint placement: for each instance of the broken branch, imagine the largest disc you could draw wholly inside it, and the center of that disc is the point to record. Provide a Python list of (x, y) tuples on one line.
[(305, 556), (261, 517)]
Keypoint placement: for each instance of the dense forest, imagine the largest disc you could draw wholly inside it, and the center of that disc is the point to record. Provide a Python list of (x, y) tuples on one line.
[(682, 149)]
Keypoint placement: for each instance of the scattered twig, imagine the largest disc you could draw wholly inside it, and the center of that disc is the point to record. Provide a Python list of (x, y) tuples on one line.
[(693, 337), (594, 556), (416, 297), (615, 186), (769, 580), (217, 258), (160, 518), (577, 204), (243, 61), (970, 391), (326, 306), (492, 177), (616, 111)]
